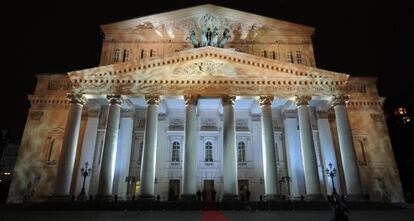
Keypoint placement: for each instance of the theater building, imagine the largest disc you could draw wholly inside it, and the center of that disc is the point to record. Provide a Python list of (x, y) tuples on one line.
[(205, 98)]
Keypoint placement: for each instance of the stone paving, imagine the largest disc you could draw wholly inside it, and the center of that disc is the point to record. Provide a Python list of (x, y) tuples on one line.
[(16, 215)]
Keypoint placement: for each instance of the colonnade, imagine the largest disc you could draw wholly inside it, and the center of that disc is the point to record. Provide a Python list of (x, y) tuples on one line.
[(148, 163)]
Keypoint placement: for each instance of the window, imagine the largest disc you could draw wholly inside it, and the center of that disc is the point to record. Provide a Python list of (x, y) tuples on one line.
[(241, 152), (140, 151), (153, 53), (209, 151), (299, 57), (126, 55), (272, 54), (362, 160), (143, 53), (116, 55), (54, 150), (263, 53), (400, 111), (289, 57), (175, 152)]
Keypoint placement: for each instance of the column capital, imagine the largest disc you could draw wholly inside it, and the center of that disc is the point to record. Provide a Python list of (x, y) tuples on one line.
[(76, 98), (152, 99), (302, 100), (265, 100), (191, 99), (114, 98), (340, 99), (228, 99)]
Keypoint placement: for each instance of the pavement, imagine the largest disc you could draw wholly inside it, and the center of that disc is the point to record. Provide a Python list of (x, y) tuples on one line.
[(363, 215)]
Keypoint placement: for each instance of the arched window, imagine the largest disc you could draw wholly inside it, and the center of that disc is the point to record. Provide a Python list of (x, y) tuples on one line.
[(175, 152), (209, 151), (241, 152), (140, 151)]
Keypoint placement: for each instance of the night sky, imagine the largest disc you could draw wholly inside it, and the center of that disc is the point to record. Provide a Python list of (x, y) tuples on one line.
[(360, 38)]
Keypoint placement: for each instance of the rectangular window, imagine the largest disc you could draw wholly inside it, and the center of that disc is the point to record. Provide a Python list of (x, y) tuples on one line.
[(299, 57), (153, 53), (263, 53), (272, 54), (143, 53), (116, 55), (126, 55), (289, 57)]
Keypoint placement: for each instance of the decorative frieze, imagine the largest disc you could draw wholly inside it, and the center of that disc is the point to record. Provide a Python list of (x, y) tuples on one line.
[(242, 124), (176, 124), (208, 124), (59, 85)]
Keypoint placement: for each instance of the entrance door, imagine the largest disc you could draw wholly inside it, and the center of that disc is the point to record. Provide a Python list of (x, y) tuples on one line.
[(244, 190), (173, 190), (208, 194)]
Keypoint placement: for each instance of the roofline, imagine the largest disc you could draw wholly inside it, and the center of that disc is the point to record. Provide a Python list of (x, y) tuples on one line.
[(105, 27)]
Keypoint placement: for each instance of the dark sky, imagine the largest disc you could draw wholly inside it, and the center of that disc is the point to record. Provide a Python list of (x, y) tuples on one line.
[(361, 38)]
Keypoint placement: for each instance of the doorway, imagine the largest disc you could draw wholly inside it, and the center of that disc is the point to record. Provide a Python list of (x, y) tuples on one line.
[(173, 190), (244, 190), (209, 193)]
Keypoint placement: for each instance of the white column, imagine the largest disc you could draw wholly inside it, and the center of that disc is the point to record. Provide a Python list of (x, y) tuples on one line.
[(88, 148), (327, 150), (106, 177), (310, 167), (123, 156), (229, 150), (150, 149), (190, 149), (346, 146), (68, 153), (268, 149)]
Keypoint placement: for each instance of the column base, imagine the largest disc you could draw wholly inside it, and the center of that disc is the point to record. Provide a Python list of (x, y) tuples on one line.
[(104, 198), (230, 198), (188, 198), (314, 197), (146, 197), (61, 198), (272, 197), (355, 197), (82, 197)]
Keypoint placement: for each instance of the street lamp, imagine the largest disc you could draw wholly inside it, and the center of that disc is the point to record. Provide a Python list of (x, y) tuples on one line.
[(129, 180), (85, 172), (331, 172)]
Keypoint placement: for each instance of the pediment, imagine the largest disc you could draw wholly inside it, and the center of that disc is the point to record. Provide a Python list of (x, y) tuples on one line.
[(177, 24), (210, 68)]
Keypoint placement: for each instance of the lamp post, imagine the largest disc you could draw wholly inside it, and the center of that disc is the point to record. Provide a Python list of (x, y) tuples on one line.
[(129, 180), (85, 172), (331, 172)]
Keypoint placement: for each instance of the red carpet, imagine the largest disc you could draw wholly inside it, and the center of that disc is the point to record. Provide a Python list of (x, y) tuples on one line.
[(213, 216)]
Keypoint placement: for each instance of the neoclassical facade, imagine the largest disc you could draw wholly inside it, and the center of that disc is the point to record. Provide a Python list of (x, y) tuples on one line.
[(205, 98)]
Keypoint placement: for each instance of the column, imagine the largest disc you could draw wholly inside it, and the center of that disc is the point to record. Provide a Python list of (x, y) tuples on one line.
[(88, 148), (268, 149), (150, 149), (327, 150), (229, 150), (123, 154), (106, 176), (310, 168), (346, 147), (68, 153), (190, 149)]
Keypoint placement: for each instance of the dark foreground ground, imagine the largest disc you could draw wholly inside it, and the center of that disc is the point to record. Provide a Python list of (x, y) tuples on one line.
[(362, 215)]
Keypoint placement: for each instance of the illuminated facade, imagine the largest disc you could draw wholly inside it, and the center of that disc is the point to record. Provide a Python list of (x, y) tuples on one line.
[(205, 98)]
